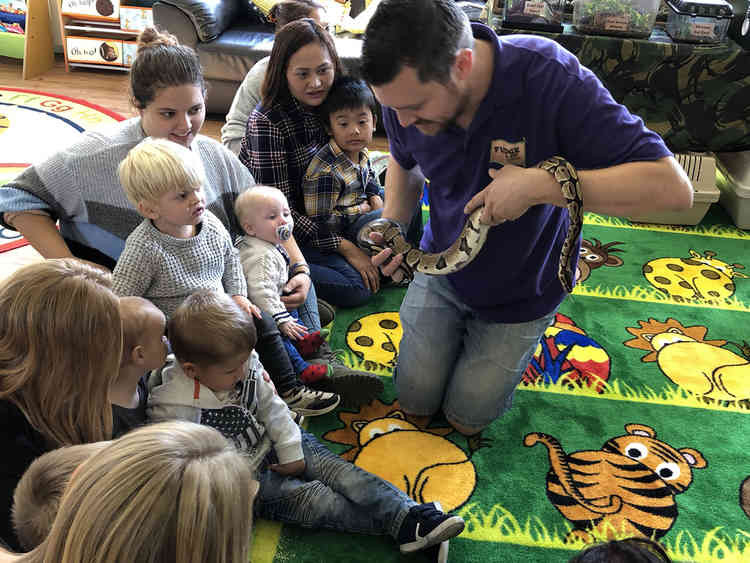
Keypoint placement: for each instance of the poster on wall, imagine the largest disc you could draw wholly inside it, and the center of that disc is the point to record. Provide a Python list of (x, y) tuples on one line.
[(92, 9)]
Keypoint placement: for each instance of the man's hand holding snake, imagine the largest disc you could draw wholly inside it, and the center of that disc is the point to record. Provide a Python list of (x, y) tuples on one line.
[(510, 194)]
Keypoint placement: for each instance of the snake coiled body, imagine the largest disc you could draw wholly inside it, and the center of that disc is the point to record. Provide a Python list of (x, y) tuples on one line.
[(463, 250), (474, 234)]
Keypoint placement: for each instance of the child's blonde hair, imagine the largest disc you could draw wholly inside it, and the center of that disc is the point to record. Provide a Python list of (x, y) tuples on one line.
[(38, 493), (135, 313), (247, 201), (155, 167), (208, 328), (60, 348), (170, 492)]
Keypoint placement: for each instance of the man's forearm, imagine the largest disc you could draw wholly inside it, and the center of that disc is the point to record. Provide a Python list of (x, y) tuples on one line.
[(627, 189), (403, 189)]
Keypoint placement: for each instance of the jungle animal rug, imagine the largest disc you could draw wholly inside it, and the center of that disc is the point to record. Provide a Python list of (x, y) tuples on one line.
[(631, 419)]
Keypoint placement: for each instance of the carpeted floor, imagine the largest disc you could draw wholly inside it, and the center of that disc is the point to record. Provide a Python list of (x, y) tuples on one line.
[(629, 421), (33, 125)]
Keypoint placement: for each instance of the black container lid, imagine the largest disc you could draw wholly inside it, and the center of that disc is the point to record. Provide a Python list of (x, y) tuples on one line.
[(706, 8)]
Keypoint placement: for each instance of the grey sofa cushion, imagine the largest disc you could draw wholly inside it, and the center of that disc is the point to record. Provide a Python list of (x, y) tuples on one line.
[(210, 17)]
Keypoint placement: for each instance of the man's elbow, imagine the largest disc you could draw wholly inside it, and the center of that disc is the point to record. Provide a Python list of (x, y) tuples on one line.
[(677, 189)]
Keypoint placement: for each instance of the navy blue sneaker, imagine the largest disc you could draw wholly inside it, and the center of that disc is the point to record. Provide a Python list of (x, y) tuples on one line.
[(426, 525)]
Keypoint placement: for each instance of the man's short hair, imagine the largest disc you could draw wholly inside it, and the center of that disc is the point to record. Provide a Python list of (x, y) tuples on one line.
[(155, 167), (209, 328), (423, 34)]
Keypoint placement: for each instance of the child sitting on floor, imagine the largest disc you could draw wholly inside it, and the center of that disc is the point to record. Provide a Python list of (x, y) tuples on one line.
[(341, 191), (144, 348), (264, 215), (181, 247), (215, 381)]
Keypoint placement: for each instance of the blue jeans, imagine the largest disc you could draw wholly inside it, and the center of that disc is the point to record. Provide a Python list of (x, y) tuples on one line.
[(337, 281), (308, 311), (449, 358), (298, 362), (332, 493)]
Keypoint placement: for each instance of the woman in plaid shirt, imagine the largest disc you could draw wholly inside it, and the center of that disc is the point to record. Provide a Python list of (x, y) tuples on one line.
[(283, 134)]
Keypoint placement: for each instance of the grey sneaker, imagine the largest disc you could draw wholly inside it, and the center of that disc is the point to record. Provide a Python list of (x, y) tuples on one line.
[(355, 387), (309, 402), (326, 312)]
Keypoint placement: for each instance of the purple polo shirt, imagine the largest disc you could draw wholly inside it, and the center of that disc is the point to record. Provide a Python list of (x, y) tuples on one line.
[(541, 103)]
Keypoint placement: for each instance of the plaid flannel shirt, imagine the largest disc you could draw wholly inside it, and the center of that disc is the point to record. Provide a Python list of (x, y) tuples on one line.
[(334, 189), (279, 143)]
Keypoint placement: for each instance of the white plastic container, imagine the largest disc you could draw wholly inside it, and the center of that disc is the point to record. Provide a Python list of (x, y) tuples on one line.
[(734, 184), (625, 18), (701, 169)]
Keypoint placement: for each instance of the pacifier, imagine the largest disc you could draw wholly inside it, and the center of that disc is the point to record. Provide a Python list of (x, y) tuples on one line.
[(284, 232)]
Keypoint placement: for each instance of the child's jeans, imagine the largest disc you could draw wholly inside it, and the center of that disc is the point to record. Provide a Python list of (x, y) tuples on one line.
[(298, 362), (332, 493)]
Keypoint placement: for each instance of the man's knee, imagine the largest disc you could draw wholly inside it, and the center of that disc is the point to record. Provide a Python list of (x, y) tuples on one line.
[(463, 429)]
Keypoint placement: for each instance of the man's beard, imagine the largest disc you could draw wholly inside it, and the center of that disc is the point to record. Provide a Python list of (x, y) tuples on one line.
[(437, 127)]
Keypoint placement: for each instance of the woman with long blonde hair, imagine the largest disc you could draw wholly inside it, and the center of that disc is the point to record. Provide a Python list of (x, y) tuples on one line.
[(60, 348), (174, 492)]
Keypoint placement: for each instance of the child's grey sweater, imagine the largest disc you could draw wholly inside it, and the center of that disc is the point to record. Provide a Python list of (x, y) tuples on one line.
[(166, 269)]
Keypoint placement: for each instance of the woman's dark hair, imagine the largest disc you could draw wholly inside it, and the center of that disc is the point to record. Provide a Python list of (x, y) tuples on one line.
[(423, 34), (290, 39), (162, 62), (630, 550), (348, 92), (292, 10)]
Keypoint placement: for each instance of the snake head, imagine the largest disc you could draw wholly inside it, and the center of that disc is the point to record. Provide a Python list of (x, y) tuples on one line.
[(380, 226)]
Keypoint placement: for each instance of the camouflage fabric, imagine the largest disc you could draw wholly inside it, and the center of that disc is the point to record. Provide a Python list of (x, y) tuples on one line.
[(696, 97)]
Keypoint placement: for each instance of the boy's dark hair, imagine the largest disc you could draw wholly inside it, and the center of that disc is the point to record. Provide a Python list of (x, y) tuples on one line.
[(209, 328), (630, 550), (348, 92), (288, 40), (423, 34), (292, 10)]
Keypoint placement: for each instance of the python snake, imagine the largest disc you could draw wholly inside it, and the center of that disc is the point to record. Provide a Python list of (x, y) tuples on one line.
[(474, 234)]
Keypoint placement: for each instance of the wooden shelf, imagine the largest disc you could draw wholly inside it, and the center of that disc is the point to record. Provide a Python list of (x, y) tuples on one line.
[(107, 67)]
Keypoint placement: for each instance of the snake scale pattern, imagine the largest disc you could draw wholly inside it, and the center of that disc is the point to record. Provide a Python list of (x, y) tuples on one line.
[(474, 234)]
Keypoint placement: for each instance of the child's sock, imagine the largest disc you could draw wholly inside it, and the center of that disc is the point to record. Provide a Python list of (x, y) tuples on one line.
[(308, 345), (314, 372)]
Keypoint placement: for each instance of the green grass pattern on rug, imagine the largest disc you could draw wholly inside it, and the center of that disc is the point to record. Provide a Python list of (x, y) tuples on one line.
[(645, 394)]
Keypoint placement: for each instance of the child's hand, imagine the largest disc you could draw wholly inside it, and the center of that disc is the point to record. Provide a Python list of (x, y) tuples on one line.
[(293, 330), (364, 207), (376, 202), (247, 306), (289, 469)]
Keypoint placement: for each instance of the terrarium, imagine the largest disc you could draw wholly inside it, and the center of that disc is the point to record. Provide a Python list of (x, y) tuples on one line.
[(628, 18), (543, 15), (698, 21)]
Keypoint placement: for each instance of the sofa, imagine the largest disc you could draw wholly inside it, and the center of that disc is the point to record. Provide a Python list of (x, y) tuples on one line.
[(229, 40)]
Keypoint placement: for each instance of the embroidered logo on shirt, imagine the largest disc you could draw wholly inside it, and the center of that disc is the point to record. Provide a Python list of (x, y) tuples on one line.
[(506, 152)]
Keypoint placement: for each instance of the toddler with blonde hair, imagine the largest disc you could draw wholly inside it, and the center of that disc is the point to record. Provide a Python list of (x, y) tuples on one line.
[(180, 246)]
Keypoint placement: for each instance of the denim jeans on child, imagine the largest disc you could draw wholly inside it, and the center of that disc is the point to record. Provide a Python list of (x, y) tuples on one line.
[(298, 362), (449, 358), (332, 493)]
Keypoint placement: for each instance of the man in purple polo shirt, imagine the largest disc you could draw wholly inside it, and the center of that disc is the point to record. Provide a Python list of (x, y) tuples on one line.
[(475, 115)]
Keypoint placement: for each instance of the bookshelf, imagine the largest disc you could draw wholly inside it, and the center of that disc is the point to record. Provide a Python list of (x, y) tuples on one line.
[(101, 33)]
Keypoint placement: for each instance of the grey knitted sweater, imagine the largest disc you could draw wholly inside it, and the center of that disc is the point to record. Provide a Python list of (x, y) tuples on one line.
[(80, 187), (166, 269)]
